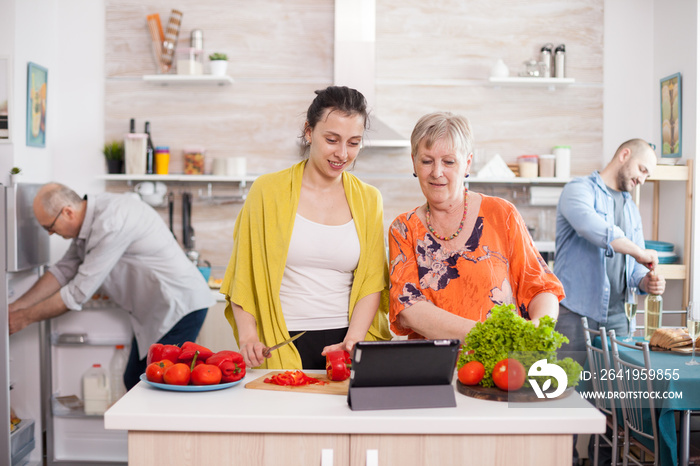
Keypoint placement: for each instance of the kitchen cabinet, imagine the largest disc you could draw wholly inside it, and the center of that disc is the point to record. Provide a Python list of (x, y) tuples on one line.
[(259, 449), (78, 340), (266, 427), (682, 174)]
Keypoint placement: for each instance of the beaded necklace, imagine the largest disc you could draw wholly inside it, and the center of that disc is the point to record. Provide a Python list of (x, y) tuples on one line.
[(461, 224)]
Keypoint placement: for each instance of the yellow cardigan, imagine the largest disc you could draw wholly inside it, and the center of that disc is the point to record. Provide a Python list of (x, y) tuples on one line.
[(261, 236)]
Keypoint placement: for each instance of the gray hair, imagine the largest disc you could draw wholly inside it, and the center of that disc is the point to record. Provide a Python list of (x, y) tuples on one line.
[(455, 129), (56, 196)]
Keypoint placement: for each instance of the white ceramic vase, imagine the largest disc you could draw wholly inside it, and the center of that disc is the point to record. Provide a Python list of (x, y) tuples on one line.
[(218, 67), (499, 69)]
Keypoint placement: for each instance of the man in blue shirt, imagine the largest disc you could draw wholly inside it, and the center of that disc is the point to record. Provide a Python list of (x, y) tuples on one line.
[(600, 247)]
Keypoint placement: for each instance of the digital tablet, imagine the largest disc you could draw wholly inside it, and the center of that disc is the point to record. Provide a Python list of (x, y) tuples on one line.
[(404, 362)]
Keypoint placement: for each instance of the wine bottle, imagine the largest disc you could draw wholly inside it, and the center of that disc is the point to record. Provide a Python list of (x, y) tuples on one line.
[(653, 314), (132, 126), (150, 152)]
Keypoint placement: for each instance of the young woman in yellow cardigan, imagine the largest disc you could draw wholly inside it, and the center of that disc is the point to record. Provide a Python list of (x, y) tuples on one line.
[(309, 250)]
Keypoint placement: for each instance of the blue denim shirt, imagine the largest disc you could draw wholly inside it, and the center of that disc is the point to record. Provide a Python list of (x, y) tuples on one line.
[(585, 229)]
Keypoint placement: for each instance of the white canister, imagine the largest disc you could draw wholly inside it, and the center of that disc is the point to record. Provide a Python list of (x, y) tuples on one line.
[(219, 166), (563, 161), (95, 390), (236, 166), (547, 165)]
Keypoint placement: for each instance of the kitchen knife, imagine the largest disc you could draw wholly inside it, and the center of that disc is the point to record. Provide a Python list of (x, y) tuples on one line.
[(267, 351)]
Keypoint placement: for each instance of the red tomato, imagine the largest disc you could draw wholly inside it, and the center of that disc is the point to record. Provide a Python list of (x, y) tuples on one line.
[(206, 374), (508, 374), (177, 374), (471, 373), (155, 370)]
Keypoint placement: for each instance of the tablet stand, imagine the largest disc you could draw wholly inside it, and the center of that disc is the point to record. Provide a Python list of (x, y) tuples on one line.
[(402, 397)]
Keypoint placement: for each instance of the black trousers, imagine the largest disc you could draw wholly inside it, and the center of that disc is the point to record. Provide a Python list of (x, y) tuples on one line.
[(312, 343)]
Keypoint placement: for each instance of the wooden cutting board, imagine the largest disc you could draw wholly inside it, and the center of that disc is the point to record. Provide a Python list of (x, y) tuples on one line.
[(496, 394), (331, 388), (677, 350)]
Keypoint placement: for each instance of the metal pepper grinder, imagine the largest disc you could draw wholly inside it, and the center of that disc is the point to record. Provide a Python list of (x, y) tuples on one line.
[(559, 55), (546, 60)]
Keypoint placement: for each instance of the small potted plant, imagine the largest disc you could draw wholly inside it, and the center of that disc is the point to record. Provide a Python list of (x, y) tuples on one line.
[(15, 175), (114, 155), (218, 64)]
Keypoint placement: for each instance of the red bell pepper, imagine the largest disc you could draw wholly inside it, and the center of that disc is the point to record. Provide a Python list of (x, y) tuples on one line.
[(189, 349), (338, 364), (158, 352), (231, 364), (293, 378)]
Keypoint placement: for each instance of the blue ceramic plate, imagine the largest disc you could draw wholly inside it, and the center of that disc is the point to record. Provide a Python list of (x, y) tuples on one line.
[(668, 259), (659, 245), (190, 388)]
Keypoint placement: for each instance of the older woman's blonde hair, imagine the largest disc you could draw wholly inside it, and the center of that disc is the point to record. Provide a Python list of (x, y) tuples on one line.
[(455, 129)]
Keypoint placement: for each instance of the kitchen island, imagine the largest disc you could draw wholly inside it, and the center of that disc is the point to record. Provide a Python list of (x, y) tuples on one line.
[(261, 427)]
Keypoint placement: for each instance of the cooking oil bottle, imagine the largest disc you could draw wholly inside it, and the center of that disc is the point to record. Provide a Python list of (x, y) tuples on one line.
[(653, 312)]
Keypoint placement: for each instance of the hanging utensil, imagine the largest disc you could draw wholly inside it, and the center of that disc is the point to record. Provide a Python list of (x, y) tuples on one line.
[(187, 230), (171, 209)]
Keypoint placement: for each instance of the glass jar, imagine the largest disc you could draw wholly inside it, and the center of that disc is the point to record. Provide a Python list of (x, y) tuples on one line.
[(190, 61), (194, 160), (528, 165), (653, 313)]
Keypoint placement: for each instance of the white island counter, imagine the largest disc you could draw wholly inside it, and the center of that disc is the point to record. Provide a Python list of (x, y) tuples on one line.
[(262, 427)]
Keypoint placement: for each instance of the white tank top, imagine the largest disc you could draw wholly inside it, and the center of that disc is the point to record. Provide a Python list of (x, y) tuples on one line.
[(315, 292)]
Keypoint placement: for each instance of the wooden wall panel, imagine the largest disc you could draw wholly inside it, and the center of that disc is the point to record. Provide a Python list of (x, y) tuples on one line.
[(429, 56)]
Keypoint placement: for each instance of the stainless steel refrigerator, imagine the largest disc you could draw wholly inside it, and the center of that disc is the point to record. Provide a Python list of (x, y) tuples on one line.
[(24, 250), (42, 365)]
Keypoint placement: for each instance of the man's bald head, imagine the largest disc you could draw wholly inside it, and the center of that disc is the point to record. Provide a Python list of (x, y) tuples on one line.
[(52, 197)]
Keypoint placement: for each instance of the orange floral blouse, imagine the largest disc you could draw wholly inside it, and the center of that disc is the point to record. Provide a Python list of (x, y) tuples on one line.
[(498, 264)]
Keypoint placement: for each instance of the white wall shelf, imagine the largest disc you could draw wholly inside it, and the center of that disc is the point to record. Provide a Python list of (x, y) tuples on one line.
[(550, 83), (519, 180), (180, 177), (165, 79)]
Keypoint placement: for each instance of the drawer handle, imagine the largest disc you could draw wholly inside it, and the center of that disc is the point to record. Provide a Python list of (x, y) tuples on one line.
[(372, 458), (327, 457)]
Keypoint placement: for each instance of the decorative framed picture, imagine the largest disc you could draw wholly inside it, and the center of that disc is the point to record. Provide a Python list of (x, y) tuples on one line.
[(5, 99), (671, 116), (37, 82)]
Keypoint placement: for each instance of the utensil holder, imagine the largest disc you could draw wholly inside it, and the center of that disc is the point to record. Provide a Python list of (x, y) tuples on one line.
[(135, 153)]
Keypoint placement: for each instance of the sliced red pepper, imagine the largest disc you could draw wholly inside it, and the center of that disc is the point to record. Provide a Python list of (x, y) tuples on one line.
[(338, 365), (188, 350), (294, 379), (231, 364), (158, 352)]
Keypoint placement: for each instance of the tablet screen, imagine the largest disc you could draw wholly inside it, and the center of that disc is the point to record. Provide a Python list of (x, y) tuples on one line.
[(404, 362)]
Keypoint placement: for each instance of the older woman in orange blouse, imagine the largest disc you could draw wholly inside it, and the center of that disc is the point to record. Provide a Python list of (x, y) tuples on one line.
[(461, 253)]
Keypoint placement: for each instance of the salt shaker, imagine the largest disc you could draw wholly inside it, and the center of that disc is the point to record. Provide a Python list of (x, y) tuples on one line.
[(559, 55), (546, 60)]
